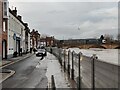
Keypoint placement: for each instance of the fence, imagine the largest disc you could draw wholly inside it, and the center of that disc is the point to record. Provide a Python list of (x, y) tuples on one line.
[(88, 72)]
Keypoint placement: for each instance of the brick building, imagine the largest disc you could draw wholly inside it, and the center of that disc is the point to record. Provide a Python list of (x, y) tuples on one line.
[(35, 39), (5, 28), (1, 29), (47, 41), (27, 38)]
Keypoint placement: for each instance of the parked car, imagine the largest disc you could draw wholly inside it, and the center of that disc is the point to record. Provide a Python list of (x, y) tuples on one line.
[(41, 52)]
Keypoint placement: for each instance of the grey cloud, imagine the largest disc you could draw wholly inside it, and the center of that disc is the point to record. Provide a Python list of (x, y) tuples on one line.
[(63, 19)]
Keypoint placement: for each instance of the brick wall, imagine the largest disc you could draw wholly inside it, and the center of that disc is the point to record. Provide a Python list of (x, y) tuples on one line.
[(0, 29)]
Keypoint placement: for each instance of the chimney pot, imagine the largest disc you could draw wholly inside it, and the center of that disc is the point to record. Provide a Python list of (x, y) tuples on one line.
[(26, 24), (19, 17)]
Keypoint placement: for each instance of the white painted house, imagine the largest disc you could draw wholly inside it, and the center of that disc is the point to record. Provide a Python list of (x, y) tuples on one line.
[(29, 42), (16, 33), (23, 41)]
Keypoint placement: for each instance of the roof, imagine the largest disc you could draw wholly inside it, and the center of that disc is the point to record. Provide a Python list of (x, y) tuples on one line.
[(17, 17)]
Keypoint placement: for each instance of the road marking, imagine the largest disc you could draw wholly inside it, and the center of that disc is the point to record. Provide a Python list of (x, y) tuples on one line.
[(8, 76), (15, 62), (38, 65), (10, 64)]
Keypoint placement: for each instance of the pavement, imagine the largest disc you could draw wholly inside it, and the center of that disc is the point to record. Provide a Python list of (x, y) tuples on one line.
[(54, 68), (13, 60), (4, 62), (7, 73), (35, 73)]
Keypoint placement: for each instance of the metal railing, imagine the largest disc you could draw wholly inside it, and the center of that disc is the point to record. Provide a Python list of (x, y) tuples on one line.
[(87, 72)]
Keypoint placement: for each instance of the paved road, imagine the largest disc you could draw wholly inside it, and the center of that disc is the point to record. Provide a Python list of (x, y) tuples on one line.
[(27, 75)]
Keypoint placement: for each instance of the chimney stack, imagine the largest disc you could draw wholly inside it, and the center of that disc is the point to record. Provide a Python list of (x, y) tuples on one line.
[(26, 24), (15, 11)]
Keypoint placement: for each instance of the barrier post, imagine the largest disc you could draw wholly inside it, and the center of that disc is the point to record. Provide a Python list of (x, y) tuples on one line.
[(69, 62), (64, 60), (53, 83), (94, 57), (72, 70), (79, 70)]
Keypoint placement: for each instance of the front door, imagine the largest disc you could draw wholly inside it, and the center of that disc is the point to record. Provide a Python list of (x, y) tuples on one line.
[(18, 46), (4, 50)]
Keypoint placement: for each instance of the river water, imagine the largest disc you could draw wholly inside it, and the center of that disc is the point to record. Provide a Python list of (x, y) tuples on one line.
[(106, 55)]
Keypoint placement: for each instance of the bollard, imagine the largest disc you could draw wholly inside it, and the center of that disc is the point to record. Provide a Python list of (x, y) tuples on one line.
[(69, 62), (94, 57), (72, 70), (53, 83), (118, 77), (79, 70)]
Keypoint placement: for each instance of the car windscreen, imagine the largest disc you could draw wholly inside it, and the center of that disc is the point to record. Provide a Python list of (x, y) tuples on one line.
[(41, 50)]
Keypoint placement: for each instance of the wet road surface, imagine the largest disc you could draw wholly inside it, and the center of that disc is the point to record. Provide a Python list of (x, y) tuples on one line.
[(28, 74)]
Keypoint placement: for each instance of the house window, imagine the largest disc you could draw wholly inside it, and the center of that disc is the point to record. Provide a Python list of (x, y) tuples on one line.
[(5, 9), (4, 26)]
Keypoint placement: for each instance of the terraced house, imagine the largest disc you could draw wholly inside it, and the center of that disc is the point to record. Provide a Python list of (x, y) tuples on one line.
[(27, 39), (34, 39), (1, 29), (14, 33), (18, 35), (5, 28)]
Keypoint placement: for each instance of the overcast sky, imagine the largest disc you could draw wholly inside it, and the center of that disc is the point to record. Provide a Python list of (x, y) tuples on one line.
[(66, 20)]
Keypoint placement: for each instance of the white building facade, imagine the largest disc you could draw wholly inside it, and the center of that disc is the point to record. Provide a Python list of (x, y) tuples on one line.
[(23, 41), (16, 34), (29, 42)]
